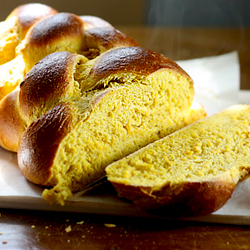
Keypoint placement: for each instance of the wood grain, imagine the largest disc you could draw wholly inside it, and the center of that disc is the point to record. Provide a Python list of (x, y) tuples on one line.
[(46, 230)]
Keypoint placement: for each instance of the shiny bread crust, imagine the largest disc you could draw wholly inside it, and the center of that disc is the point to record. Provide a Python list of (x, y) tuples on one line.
[(106, 38), (47, 82), (94, 21), (137, 60), (39, 143), (29, 14), (55, 27), (68, 32)]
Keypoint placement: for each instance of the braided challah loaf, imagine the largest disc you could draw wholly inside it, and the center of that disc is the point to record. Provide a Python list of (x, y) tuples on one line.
[(90, 96)]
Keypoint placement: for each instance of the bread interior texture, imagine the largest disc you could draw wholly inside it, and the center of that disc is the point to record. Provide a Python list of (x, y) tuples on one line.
[(9, 39), (215, 148), (12, 74), (11, 67), (115, 117)]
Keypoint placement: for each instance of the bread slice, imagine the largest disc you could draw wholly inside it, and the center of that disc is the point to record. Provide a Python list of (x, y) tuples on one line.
[(84, 114), (191, 172)]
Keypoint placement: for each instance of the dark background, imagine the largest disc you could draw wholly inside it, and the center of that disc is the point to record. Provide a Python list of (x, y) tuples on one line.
[(184, 13)]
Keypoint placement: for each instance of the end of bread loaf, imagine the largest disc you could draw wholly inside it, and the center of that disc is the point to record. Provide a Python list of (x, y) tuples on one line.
[(116, 111), (191, 172), (17, 24)]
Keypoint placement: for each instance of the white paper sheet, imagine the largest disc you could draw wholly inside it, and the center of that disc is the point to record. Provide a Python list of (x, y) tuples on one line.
[(216, 81)]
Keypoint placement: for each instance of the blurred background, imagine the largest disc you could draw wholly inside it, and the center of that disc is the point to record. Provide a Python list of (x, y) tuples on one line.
[(153, 12)]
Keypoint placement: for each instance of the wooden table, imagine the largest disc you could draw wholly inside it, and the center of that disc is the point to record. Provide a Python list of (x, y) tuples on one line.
[(49, 230)]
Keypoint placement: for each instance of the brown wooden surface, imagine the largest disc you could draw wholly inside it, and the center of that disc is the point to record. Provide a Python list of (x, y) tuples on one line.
[(46, 230)]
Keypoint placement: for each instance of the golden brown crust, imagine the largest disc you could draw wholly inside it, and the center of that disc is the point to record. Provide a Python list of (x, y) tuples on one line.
[(55, 27), (133, 60), (39, 143), (60, 32), (11, 123), (47, 82), (29, 14), (191, 199), (106, 38)]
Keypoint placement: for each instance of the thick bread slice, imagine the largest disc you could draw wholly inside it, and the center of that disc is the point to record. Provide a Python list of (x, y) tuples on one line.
[(87, 114), (191, 172)]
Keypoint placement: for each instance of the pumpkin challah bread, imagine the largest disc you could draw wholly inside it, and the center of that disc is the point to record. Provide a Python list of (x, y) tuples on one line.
[(75, 116), (191, 172), (87, 35)]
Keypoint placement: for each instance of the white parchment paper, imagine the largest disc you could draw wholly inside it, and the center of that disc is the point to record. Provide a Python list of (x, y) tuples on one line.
[(216, 81)]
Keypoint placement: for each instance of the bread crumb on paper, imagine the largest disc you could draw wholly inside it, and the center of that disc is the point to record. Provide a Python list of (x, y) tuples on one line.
[(68, 229)]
